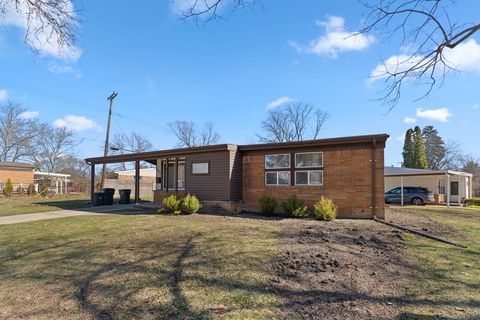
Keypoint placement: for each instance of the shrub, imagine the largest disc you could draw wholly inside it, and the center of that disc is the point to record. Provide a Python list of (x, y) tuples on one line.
[(171, 202), (19, 190), (325, 209), (267, 204), (8, 188), (177, 212), (191, 204), (31, 189), (474, 202), (295, 207)]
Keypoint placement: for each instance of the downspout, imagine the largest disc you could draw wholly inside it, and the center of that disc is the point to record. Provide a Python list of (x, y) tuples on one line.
[(374, 180)]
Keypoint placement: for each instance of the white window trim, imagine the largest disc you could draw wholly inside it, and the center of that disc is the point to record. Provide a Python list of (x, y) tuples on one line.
[(308, 184), (321, 166), (278, 154), (196, 164), (277, 184)]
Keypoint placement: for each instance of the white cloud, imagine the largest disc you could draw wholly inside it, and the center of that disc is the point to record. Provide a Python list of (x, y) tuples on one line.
[(394, 64), (336, 39), (476, 106), (3, 94), (76, 123), (278, 102), (401, 137), (409, 120), (46, 40), (465, 57), (440, 114), (29, 115)]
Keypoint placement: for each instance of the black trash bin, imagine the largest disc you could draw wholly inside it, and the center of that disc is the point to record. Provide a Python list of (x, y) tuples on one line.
[(125, 196), (109, 192), (98, 198)]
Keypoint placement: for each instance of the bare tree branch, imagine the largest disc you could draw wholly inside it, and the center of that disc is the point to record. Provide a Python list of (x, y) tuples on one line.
[(425, 27), (293, 122), (188, 136), (54, 22)]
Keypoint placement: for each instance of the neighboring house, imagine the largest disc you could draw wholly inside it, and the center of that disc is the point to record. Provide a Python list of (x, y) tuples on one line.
[(21, 174), (125, 179), (56, 182), (348, 169), (447, 185)]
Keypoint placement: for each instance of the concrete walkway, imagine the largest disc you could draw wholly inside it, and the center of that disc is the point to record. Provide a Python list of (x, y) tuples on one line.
[(68, 213)]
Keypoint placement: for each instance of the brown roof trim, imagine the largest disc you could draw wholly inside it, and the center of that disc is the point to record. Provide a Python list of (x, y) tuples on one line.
[(16, 166), (150, 155), (314, 143)]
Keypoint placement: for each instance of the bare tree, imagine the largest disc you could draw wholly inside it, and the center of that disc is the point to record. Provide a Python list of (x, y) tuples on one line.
[(293, 122), (471, 165), (426, 29), (53, 22), (78, 170), (424, 26), (16, 133), (128, 143), (51, 145), (188, 135)]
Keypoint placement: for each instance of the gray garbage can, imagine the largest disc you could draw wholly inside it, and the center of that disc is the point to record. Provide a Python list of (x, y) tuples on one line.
[(124, 196)]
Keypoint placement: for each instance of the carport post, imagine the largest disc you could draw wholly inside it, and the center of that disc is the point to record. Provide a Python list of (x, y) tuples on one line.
[(401, 189), (448, 190), (137, 182), (92, 181)]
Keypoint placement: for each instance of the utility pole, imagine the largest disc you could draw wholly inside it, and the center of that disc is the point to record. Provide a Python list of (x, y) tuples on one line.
[(107, 137)]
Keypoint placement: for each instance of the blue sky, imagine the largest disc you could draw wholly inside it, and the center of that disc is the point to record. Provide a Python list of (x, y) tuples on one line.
[(228, 72)]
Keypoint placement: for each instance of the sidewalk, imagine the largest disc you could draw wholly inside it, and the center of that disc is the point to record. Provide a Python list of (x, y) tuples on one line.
[(102, 210)]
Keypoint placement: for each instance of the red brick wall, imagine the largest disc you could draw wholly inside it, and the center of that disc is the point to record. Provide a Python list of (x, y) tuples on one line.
[(347, 178), (16, 176)]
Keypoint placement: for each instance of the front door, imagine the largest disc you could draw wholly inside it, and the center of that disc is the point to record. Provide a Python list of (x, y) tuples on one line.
[(454, 191)]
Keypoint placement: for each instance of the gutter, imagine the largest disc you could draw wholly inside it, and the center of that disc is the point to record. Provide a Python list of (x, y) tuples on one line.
[(374, 180)]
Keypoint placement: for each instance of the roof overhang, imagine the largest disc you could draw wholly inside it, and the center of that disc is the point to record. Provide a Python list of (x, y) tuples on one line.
[(316, 143), (153, 155)]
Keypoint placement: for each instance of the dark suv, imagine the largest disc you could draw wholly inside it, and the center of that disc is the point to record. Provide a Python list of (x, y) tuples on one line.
[(414, 195)]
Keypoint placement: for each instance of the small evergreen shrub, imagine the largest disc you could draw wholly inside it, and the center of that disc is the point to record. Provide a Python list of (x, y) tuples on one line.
[(267, 204), (474, 202), (325, 209), (19, 190), (191, 204), (177, 212), (31, 189), (8, 188), (295, 207), (171, 202)]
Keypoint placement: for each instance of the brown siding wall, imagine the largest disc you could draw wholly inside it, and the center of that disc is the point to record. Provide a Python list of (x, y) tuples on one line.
[(17, 176), (347, 179), (235, 175), (213, 186)]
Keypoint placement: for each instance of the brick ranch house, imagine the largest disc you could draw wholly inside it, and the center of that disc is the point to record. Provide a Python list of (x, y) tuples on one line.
[(19, 173), (348, 169)]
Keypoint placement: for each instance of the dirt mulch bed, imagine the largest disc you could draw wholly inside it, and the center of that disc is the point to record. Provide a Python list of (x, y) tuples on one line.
[(341, 270)]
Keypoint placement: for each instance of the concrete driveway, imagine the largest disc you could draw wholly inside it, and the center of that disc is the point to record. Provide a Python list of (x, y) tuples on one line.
[(103, 210)]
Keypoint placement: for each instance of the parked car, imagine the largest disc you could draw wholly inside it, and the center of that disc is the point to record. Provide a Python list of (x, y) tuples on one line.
[(415, 195)]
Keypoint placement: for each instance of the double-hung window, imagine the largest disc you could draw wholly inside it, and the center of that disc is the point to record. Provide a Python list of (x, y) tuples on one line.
[(309, 169), (277, 168)]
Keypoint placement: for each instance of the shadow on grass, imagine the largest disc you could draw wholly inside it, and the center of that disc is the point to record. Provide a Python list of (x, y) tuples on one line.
[(66, 204)]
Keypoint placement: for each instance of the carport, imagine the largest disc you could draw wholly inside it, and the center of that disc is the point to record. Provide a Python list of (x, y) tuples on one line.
[(449, 187)]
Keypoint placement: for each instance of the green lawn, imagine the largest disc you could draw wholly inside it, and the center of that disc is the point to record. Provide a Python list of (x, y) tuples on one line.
[(447, 281), (138, 267), (21, 205)]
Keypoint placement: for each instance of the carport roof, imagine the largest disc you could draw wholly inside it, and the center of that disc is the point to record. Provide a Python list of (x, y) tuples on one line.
[(398, 172)]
